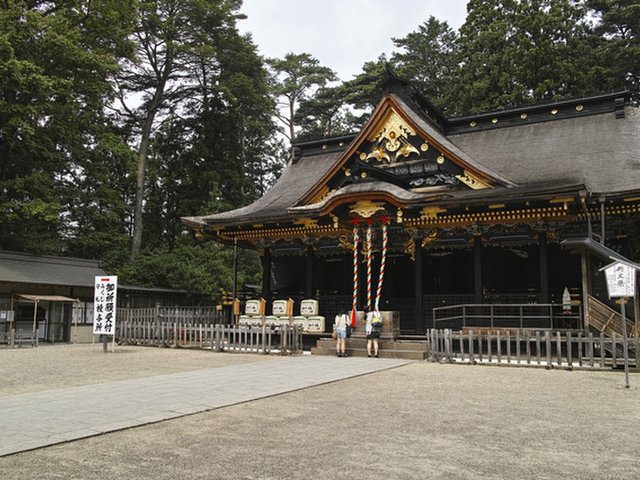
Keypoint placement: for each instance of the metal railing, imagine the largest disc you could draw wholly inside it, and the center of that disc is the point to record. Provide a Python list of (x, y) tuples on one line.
[(515, 315)]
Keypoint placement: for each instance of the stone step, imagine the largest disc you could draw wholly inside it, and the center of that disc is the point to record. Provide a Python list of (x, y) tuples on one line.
[(387, 348), (382, 343), (382, 353)]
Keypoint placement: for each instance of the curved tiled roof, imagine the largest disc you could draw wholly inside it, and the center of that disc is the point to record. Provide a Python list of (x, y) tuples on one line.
[(595, 150), (296, 179), (401, 195), (600, 151), (447, 143)]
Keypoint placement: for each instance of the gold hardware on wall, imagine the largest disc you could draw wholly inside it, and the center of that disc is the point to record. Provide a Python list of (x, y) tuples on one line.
[(431, 237), (345, 243), (431, 212), (410, 248), (306, 222)]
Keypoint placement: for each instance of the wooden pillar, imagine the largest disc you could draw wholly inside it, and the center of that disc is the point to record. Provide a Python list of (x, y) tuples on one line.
[(603, 200), (477, 269), (586, 287), (636, 307), (234, 287), (421, 326), (309, 270), (266, 274), (544, 268)]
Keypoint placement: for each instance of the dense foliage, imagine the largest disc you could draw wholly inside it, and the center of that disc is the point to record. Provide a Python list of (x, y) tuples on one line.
[(119, 117)]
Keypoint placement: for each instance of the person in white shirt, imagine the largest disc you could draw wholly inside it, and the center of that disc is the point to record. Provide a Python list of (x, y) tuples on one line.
[(340, 327), (372, 332)]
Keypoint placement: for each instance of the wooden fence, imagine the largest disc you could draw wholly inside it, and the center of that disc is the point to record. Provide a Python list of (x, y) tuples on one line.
[(532, 348), (285, 339), (188, 315)]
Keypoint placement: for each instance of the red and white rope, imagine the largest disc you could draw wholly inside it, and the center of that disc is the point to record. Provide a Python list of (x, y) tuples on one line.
[(356, 241), (369, 264), (383, 259)]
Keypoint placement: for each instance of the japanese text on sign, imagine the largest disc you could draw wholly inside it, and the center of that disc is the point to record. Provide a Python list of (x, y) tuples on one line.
[(621, 280), (104, 305)]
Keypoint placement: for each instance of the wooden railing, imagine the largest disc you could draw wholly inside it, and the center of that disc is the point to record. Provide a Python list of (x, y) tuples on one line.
[(285, 339), (606, 319), (531, 347)]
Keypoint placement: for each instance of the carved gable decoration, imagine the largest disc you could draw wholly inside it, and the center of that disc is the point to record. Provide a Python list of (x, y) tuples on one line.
[(391, 141), (396, 148)]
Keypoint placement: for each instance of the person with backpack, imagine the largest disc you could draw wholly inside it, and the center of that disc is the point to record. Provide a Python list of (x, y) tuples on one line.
[(340, 332), (372, 329)]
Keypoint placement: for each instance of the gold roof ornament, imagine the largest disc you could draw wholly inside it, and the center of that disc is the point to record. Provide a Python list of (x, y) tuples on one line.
[(406, 150), (366, 208), (470, 180), (379, 154), (392, 136)]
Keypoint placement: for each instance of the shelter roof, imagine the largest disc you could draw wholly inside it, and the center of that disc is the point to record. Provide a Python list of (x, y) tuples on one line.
[(16, 267), (598, 249), (46, 298)]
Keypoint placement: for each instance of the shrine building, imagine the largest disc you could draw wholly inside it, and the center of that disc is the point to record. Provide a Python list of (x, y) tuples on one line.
[(467, 210)]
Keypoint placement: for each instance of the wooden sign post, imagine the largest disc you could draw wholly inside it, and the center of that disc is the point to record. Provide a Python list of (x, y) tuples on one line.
[(621, 283)]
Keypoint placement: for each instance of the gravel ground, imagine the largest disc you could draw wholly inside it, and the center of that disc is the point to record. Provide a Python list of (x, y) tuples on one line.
[(420, 421), (49, 366)]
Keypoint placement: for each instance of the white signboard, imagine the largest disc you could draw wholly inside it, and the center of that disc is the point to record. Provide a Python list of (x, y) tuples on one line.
[(104, 305), (621, 280)]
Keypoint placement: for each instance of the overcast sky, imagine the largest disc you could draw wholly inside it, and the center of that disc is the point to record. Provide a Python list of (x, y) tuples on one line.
[(341, 34)]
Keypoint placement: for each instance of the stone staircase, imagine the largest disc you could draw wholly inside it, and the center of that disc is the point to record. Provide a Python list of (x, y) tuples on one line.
[(357, 347), (389, 344)]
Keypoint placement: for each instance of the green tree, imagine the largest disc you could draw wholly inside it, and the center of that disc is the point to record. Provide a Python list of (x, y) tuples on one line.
[(517, 52), (176, 54), (56, 60), (429, 58), (326, 114), (618, 31), (363, 91), (203, 269), (206, 154), (294, 79)]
